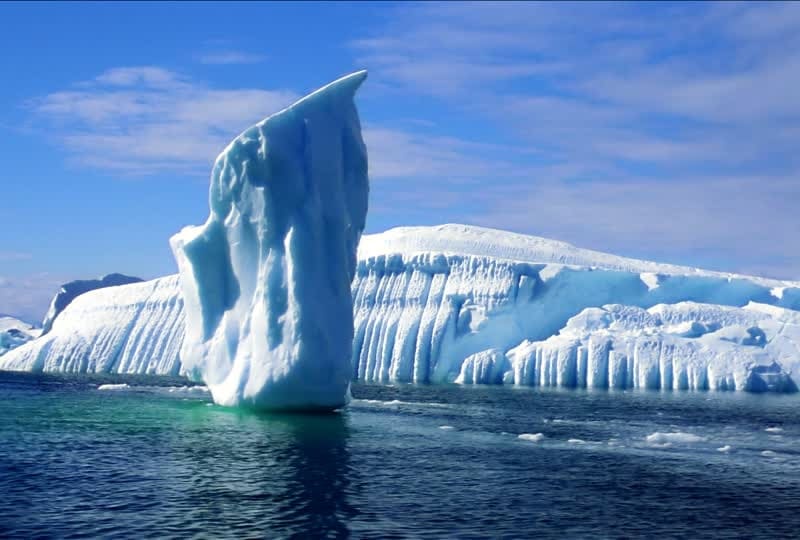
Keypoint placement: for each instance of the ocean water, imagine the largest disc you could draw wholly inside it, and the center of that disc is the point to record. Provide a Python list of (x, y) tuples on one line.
[(154, 459)]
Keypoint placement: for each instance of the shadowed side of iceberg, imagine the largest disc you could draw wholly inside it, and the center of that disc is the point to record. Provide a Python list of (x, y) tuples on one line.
[(266, 280)]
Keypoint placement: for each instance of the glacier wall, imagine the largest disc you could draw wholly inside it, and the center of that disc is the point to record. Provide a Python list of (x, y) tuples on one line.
[(266, 280), (472, 305)]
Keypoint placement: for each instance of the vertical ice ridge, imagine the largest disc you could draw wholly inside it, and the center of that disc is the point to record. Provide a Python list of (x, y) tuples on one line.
[(396, 309), (405, 345)]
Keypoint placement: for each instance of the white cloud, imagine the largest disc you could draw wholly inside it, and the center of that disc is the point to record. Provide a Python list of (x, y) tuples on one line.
[(673, 140), (28, 297), (143, 120), (628, 134), (401, 153), (8, 256), (230, 57), (151, 76), (696, 216)]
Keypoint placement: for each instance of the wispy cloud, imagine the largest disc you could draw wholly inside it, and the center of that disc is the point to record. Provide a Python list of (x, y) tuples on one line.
[(703, 221), (396, 153), (230, 57), (9, 256), (593, 122), (147, 119), (28, 297), (652, 139)]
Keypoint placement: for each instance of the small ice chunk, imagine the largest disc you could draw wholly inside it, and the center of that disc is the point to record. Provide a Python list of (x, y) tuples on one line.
[(650, 279), (447, 428), (196, 389), (663, 439), (726, 448), (113, 387), (774, 429), (576, 441), (532, 437)]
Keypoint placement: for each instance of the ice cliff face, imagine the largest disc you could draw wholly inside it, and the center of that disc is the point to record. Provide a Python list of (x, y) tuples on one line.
[(473, 305), (73, 289), (266, 280), (454, 303)]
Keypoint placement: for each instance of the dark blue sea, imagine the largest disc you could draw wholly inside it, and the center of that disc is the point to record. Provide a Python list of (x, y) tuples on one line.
[(151, 458)]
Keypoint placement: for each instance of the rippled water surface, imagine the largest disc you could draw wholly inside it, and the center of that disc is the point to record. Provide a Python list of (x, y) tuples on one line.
[(151, 459)]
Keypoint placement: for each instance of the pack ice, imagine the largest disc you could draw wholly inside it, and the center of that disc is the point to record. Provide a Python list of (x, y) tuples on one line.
[(266, 280)]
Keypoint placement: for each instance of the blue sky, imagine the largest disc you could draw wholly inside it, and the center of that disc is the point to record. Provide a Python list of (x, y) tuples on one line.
[(662, 131)]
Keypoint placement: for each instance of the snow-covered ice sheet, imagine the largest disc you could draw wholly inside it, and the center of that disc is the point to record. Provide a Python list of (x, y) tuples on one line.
[(135, 328)]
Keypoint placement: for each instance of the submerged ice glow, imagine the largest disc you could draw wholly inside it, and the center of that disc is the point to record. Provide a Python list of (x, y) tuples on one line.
[(266, 280)]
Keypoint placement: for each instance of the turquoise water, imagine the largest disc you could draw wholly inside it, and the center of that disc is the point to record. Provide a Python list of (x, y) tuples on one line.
[(399, 462)]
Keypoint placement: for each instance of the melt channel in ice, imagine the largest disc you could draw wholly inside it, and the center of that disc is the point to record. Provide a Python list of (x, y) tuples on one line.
[(266, 280)]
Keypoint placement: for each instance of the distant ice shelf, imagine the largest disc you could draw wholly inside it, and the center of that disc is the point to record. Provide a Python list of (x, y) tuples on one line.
[(463, 304), (14, 333), (136, 328), (73, 289)]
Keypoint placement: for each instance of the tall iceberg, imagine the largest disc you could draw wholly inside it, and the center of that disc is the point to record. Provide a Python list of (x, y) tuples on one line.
[(266, 280)]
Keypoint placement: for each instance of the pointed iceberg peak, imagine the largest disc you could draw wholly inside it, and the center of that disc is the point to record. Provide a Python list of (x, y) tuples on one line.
[(342, 88), (338, 93), (266, 280)]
